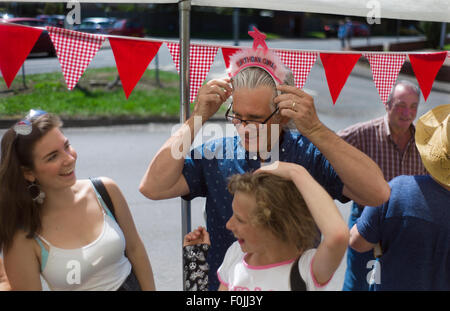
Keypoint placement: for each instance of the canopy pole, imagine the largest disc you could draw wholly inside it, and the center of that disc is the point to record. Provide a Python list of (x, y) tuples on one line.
[(184, 8)]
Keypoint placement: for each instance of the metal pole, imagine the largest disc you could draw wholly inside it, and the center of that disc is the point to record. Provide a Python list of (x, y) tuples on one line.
[(443, 35), (158, 81), (236, 26), (184, 8), (23, 77)]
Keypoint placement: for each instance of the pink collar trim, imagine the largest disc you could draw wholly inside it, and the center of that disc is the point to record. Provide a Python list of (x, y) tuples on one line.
[(286, 262)]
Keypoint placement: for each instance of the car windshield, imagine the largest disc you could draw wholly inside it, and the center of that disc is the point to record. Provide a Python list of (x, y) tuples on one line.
[(118, 24), (88, 25), (30, 23)]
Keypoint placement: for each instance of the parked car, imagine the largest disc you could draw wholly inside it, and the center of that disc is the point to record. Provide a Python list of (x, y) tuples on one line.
[(44, 43), (330, 30), (126, 27), (53, 20), (360, 29), (99, 25), (6, 15)]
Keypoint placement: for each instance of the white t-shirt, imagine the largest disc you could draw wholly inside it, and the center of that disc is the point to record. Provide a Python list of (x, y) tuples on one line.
[(237, 275)]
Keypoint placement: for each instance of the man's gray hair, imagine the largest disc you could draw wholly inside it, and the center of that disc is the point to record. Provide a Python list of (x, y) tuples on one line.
[(254, 77), (406, 84)]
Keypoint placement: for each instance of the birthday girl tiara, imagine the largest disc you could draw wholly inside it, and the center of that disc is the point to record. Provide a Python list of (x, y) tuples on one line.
[(258, 57)]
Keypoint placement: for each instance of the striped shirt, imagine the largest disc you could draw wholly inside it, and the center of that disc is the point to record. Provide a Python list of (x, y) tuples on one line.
[(374, 139)]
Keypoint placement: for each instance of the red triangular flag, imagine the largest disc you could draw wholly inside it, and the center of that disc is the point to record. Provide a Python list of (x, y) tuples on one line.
[(75, 50), (17, 44), (425, 67), (200, 58), (385, 69), (300, 63), (132, 59), (227, 52), (337, 69)]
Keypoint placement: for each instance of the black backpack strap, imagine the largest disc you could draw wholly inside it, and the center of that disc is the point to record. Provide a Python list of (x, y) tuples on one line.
[(297, 283), (100, 187)]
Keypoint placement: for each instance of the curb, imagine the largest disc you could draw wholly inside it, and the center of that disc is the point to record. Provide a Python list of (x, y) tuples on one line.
[(119, 121)]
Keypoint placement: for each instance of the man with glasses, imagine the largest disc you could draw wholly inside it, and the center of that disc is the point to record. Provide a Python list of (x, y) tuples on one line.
[(265, 101), (389, 141)]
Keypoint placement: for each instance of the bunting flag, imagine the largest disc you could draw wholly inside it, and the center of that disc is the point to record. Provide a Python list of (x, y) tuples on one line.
[(226, 53), (299, 62), (75, 50), (337, 68), (132, 59), (201, 59), (385, 69), (426, 67), (17, 42)]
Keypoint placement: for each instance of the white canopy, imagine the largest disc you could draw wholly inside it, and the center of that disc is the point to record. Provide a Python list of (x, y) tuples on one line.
[(425, 10)]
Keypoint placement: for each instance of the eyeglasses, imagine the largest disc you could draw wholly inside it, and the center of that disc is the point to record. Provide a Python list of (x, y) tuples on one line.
[(24, 126), (237, 121)]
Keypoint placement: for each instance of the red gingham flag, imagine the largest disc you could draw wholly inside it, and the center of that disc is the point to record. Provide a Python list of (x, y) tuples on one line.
[(201, 59), (75, 51), (299, 62), (385, 69)]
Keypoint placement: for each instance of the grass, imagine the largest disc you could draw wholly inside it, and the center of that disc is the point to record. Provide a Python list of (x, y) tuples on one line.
[(49, 92), (316, 34)]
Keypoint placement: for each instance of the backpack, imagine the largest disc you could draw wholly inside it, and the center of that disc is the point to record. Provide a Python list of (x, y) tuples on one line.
[(98, 184), (297, 283)]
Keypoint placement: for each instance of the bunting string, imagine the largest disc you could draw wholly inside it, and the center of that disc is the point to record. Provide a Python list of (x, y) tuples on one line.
[(75, 50)]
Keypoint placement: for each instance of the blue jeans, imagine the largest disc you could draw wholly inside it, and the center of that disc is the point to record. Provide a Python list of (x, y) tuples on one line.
[(357, 271), (130, 284)]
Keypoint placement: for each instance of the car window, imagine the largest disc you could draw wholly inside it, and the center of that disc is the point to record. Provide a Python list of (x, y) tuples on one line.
[(30, 23)]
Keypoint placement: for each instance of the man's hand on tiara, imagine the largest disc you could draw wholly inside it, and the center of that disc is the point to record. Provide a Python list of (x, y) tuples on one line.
[(210, 97), (298, 106)]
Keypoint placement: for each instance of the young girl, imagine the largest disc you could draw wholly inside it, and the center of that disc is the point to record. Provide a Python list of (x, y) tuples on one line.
[(276, 212), (55, 225)]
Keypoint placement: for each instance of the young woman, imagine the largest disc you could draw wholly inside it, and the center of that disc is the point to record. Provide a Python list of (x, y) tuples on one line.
[(276, 212), (4, 284), (52, 224)]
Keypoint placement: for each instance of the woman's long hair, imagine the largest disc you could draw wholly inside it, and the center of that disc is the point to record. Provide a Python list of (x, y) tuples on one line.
[(17, 209)]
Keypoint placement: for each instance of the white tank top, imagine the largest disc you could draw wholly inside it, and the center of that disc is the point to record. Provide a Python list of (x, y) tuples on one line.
[(100, 265)]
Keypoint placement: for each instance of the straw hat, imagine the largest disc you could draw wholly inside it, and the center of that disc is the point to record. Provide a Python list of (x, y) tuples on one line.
[(433, 142)]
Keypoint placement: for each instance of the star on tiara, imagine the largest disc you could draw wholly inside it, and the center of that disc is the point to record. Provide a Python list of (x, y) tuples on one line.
[(262, 58)]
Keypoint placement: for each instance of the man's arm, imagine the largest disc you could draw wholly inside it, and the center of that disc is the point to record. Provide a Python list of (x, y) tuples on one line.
[(164, 176), (362, 178), (358, 243)]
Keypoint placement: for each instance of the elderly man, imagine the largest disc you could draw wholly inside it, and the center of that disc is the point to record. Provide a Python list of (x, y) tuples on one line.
[(389, 141), (413, 226), (263, 98)]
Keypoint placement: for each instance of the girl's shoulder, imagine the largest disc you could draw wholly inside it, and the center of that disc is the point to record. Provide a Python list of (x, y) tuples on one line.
[(233, 255), (85, 185)]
